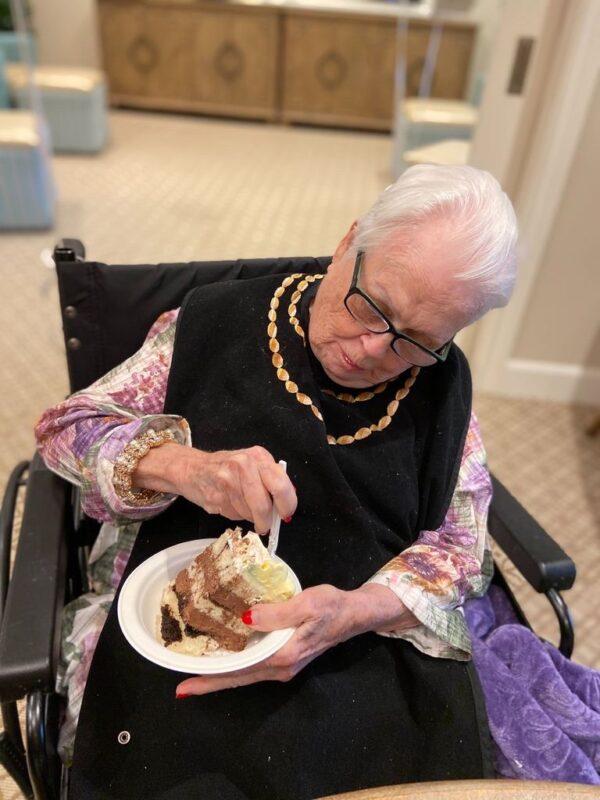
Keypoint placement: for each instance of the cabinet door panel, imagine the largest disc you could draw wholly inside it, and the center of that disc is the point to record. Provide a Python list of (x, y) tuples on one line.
[(235, 58), (452, 63), (339, 67), (120, 26), (147, 51)]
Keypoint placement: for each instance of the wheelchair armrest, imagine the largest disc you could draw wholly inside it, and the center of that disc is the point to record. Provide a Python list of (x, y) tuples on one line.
[(29, 638), (541, 561)]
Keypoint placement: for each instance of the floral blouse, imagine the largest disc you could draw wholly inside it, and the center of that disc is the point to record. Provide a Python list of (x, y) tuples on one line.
[(81, 438)]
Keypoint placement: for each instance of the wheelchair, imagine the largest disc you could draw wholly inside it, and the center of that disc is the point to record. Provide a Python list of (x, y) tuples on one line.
[(50, 567)]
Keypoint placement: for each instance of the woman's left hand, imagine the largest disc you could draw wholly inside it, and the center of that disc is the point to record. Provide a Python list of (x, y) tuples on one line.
[(323, 617)]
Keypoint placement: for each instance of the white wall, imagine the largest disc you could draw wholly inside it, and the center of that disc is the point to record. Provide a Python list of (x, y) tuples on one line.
[(67, 32), (562, 323), (543, 146)]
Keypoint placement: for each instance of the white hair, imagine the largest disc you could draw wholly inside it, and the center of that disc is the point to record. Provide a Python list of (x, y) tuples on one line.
[(484, 225)]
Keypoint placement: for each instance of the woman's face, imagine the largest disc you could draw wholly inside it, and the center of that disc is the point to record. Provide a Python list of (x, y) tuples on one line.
[(421, 302)]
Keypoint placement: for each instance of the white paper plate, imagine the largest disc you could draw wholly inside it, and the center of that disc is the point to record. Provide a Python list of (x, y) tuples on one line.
[(139, 605)]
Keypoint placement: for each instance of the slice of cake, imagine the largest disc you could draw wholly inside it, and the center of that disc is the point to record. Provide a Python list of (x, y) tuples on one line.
[(237, 572), (201, 609)]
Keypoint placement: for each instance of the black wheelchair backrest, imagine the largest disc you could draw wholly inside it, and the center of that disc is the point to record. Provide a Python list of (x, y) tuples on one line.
[(107, 310)]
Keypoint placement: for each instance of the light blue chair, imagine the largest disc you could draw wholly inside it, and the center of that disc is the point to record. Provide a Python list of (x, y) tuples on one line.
[(27, 191), (423, 123), (429, 120), (73, 100)]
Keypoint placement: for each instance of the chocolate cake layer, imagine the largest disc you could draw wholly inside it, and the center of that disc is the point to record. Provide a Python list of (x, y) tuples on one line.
[(183, 589), (226, 636), (170, 630), (229, 600), (206, 566), (205, 616), (221, 583)]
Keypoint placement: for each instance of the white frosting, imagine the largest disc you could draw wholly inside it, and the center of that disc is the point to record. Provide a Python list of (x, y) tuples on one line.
[(247, 550)]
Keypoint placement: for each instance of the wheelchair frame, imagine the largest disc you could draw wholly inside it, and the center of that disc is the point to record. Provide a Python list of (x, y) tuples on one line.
[(50, 569)]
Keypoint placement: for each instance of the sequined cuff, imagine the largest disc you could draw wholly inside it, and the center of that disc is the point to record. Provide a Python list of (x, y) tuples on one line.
[(126, 464)]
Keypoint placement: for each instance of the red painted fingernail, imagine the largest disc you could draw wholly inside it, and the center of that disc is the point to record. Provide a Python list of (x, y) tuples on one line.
[(247, 617), (287, 519), (181, 695)]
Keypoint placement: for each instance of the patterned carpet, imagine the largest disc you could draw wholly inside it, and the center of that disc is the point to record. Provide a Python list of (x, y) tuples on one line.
[(175, 188)]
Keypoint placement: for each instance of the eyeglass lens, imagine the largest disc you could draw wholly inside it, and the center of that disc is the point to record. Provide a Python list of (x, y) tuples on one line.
[(363, 312)]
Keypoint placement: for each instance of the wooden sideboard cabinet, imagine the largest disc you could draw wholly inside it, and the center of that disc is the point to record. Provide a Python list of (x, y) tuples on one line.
[(191, 58), (340, 70), (235, 62), (274, 62), (147, 52)]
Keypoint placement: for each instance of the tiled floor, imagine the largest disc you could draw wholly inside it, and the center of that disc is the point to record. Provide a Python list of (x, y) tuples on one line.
[(175, 188)]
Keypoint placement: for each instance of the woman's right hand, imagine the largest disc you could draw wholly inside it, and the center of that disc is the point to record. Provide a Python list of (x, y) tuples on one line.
[(238, 484)]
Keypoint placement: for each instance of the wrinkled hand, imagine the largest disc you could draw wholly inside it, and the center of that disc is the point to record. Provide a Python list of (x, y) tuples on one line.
[(323, 617), (239, 484), (320, 616)]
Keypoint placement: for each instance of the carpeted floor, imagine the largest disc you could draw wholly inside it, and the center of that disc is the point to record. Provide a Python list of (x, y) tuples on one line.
[(178, 188)]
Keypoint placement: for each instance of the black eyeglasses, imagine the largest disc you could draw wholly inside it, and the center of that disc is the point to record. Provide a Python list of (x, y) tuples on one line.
[(366, 312)]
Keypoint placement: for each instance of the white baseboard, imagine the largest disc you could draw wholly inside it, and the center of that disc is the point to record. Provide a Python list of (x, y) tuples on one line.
[(547, 380)]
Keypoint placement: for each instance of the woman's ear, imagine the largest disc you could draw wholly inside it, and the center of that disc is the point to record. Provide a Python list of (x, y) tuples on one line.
[(346, 242)]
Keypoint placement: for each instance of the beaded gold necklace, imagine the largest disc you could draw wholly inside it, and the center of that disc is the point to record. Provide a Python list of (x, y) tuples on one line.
[(301, 397)]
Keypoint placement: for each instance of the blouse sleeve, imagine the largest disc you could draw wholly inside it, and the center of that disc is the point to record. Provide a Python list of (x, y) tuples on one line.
[(435, 576), (81, 438)]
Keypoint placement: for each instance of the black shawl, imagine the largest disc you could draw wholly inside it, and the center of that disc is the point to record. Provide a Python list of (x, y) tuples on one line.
[(371, 711)]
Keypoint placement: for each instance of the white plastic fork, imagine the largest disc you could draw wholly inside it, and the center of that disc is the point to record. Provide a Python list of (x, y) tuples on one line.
[(275, 523)]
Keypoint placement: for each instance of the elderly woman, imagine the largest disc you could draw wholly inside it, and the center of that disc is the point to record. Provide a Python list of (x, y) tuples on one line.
[(354, 379)]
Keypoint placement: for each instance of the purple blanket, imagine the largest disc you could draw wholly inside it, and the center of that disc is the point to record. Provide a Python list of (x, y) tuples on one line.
[(543, 710)]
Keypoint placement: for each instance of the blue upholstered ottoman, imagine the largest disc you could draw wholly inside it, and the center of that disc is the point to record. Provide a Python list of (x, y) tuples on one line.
[(429, 120), (16, 46), (27, 193), (73, 101)]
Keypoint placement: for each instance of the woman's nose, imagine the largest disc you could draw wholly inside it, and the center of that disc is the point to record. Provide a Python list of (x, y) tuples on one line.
[(376, 345)]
